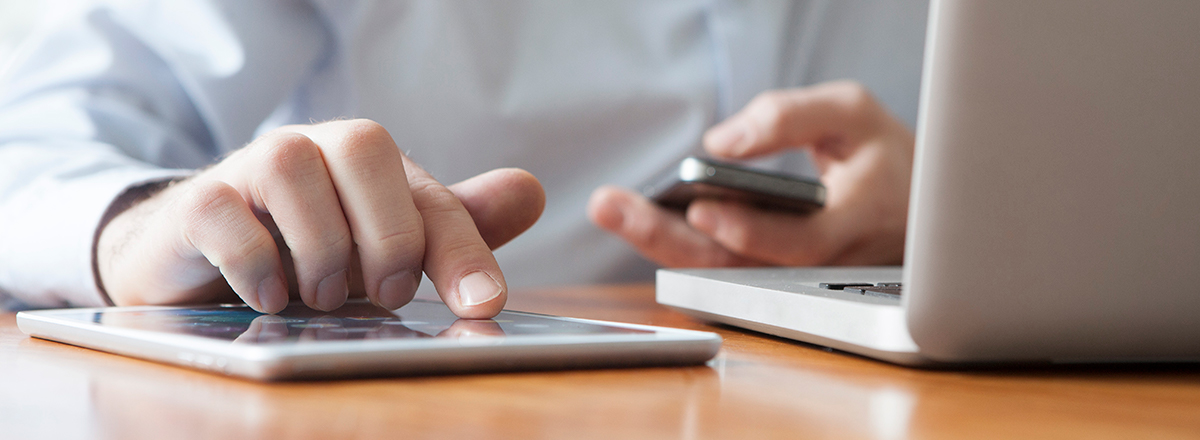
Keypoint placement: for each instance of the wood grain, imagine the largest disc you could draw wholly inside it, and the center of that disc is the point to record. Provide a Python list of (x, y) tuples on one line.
[(757, 387)]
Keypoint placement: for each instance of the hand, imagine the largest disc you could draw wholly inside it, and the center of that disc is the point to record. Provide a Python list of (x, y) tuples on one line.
[(865, 159), (350, 212)]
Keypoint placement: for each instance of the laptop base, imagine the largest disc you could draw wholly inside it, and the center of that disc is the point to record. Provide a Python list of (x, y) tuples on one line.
[(788, 302)]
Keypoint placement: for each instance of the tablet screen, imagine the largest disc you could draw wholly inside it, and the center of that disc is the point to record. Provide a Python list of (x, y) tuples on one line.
[(355, 320)]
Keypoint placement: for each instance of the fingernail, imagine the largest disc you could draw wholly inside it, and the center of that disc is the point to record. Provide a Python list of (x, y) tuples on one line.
[(272, 294), (398, 289), (332, 291), (477, 288), (725, 137)]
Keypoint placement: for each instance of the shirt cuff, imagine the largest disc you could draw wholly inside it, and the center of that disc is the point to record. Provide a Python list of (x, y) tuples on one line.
[(47, 250)]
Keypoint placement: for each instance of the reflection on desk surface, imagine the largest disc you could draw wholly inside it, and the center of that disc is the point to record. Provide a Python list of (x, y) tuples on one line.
[(692, 402)]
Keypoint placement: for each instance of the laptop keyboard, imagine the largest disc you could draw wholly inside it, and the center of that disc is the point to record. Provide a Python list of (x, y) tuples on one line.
[(882, 290)]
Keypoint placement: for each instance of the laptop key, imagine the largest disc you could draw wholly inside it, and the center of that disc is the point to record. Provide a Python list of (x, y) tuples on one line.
[(842, 286), (883, 292)]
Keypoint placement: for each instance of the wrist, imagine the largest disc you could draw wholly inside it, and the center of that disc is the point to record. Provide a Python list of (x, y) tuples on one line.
[(107, 239)]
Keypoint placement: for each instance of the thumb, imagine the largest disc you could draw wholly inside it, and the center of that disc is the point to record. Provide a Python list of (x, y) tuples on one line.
[(503, 203)]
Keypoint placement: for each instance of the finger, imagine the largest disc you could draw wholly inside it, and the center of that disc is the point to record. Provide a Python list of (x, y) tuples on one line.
[(774, 237), (370, 180), (285, 176), (658, 234), (218, 225), (831, 117), (459, 263), (503, 203)]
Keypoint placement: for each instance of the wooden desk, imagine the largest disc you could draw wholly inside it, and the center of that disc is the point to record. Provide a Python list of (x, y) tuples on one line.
[(758, 387)]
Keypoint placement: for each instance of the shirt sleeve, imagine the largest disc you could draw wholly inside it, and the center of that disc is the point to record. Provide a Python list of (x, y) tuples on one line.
[(116, 94), (86, 112)]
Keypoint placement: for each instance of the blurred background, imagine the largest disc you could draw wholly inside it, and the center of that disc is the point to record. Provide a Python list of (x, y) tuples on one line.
[(17, 19)]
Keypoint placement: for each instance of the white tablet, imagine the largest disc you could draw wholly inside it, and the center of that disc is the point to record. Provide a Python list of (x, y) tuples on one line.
[(359, 339)]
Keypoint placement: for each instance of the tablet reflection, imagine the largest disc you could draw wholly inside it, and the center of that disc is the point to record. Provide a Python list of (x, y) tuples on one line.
[(354, 321), (467, 328), (264, 329), (268, 329)]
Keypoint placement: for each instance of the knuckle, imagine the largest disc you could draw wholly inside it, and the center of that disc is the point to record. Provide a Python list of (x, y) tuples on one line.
[(856, 96), (401, 244), (290, 156), (203, 201), (769, 106), (361, 138), (648, 235), (429, 194), (769, 111), (847, 86), (337, 243), (210, 220), (774, 96), (359, 125), (247, 251), (433, 201), (461, 248)]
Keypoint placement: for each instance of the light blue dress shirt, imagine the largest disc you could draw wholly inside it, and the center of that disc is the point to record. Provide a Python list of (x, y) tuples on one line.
[(580, 93)]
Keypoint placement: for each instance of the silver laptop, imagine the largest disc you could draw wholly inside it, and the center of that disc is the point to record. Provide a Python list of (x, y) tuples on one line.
[(1055, 209)]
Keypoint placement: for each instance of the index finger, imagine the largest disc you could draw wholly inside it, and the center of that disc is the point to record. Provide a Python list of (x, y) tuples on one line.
[(829, 116), (457, 259)]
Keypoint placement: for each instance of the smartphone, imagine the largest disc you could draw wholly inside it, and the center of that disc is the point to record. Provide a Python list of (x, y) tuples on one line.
[(695, 178)]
